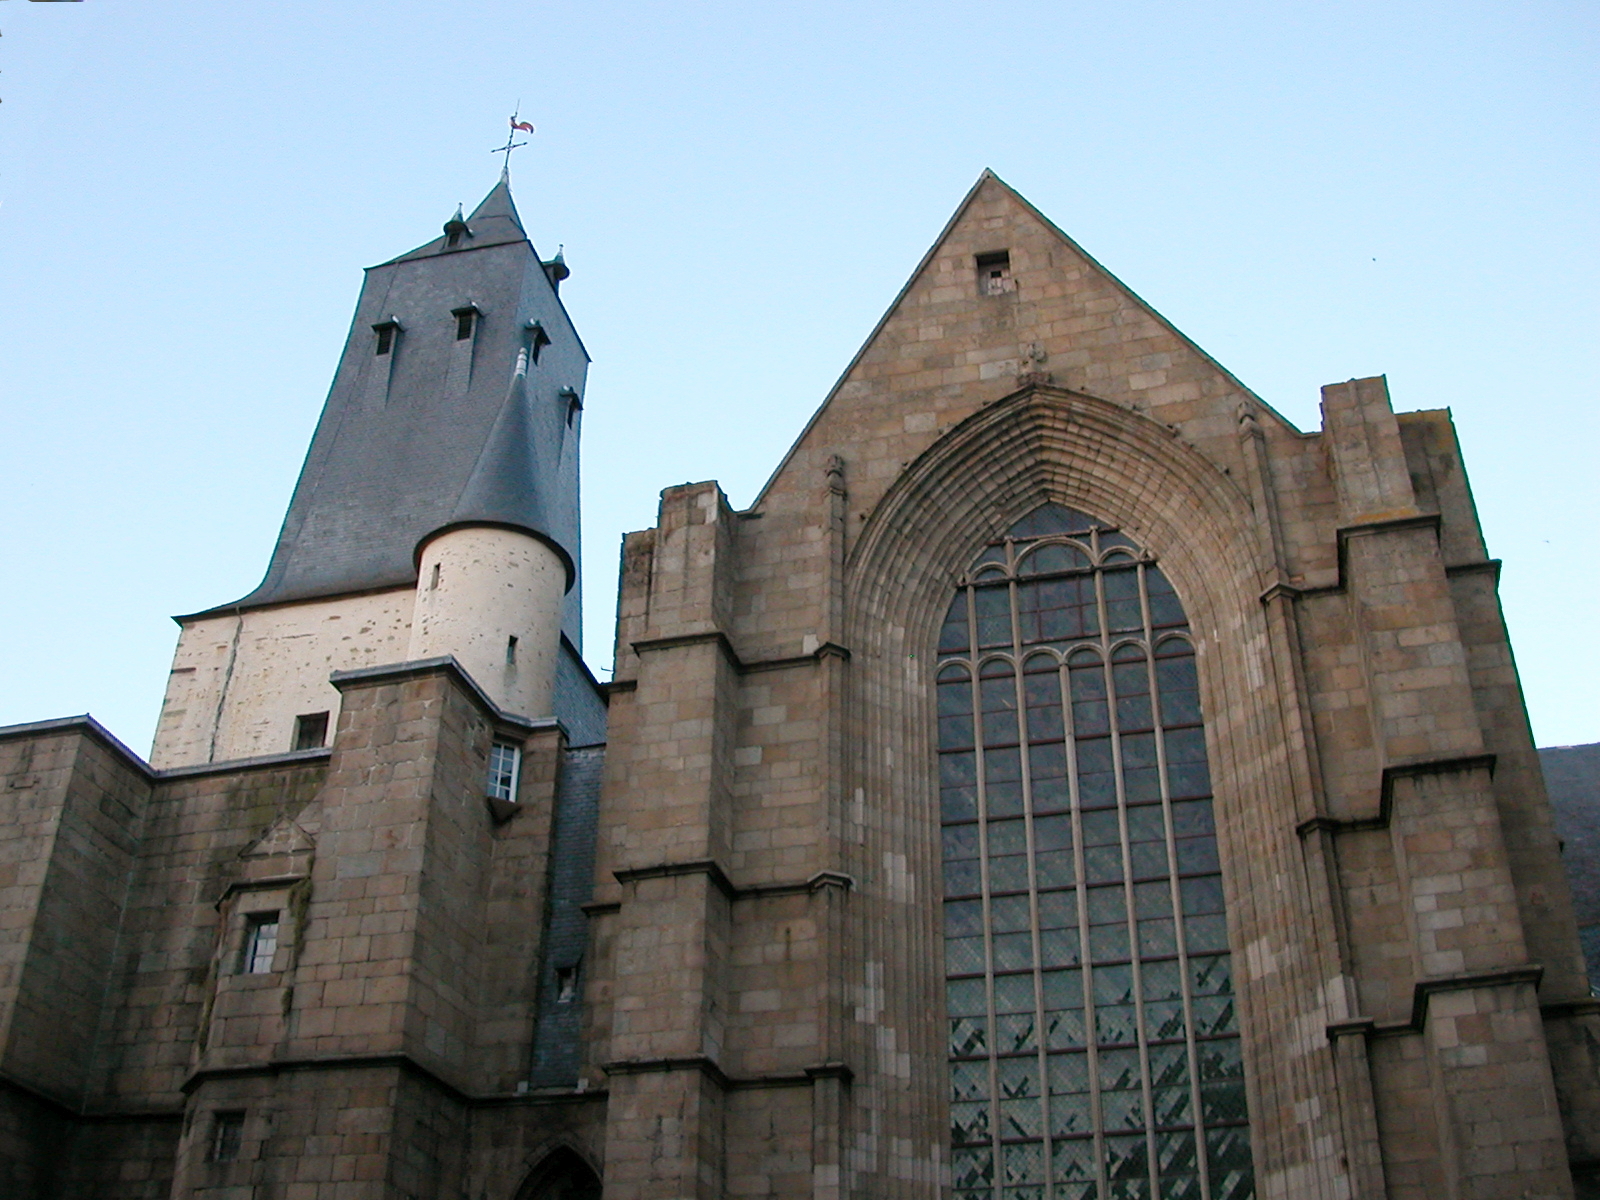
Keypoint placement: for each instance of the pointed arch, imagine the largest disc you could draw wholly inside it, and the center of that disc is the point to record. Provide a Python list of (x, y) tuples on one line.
[(562, 1174), (1046, 445)]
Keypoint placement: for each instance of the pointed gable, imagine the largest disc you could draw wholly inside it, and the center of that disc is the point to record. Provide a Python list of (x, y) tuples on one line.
[(286, 836), (1003, 299)]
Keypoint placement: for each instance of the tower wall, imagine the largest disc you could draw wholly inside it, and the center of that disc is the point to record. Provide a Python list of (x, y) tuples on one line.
[(239, 679), (492, 598)]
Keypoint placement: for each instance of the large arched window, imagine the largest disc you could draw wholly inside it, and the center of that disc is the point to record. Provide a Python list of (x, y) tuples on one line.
[(1093, 1051)]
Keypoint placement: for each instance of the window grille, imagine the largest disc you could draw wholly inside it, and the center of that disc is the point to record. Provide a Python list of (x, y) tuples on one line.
[(503, 761), (1093, 1047), (260, 943)]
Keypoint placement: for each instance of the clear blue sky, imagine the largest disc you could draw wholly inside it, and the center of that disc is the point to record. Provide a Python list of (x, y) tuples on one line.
[(189, 190)]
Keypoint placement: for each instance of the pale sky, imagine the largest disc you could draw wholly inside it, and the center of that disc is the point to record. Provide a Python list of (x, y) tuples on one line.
[(1312, 192)]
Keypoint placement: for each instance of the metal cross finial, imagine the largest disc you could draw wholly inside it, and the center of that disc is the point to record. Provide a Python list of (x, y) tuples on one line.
[(511, 140)]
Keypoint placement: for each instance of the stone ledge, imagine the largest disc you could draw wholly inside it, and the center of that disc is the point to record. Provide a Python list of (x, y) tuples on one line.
[(445, 664), (81, 724), (711, 868), (725, 644), (403, 1062), (1424, 989), (289, 758), (713, 1071), (1405, 770)]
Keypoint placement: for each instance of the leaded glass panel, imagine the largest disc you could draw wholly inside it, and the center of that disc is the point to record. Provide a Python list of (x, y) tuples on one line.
[(1093, 1044)]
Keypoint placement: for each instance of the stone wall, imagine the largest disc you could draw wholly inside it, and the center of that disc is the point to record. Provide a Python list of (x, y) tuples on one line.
[(1412, 1002)]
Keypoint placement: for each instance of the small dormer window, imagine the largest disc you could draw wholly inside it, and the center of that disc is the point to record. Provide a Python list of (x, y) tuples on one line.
[(466, 320), (574, 405), (454, 230), (538, 339), (386, 331), (994, 273)]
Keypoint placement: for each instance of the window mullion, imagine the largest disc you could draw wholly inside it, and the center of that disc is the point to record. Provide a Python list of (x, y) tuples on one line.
[(1134, 950), (1081, 896), (1127, 895), (981, 801), (1034, 940), (1180, 934)]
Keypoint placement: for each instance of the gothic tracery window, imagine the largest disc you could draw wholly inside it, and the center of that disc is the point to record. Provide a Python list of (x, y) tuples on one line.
[(1093, 1047)]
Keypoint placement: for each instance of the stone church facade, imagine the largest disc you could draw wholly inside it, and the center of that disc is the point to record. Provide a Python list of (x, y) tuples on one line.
[(1066, 781)]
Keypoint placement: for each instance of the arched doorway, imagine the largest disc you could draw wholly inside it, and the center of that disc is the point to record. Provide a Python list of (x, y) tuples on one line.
[(562, 1175)]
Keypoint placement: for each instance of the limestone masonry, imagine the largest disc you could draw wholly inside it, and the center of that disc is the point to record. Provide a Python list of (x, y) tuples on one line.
[(1066, 781)]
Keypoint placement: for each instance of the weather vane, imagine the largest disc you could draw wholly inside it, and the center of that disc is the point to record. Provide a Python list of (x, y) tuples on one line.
[(511, 139)]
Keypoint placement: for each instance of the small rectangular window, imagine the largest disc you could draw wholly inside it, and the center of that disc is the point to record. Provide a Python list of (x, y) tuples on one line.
[(385, 338), (260, 943), (465, 318), (227, 1137), (502, 783), (994, 273), (310, 731), (566, 985)]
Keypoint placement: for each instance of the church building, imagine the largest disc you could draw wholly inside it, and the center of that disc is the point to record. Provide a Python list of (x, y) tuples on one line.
[(1066, 781)]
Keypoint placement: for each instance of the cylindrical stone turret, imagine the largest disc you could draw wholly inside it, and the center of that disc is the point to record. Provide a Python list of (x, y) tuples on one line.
[(492, 597)]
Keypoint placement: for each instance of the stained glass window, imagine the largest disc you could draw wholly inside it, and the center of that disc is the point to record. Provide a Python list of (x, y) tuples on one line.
[(1093, 1046)]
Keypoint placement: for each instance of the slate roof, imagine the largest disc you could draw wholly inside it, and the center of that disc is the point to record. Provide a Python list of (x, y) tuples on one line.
[(1572, 781), (389, 465)]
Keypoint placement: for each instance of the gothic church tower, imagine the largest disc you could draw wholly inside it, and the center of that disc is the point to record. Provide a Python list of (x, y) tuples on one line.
[(436, 514), (341, 905)]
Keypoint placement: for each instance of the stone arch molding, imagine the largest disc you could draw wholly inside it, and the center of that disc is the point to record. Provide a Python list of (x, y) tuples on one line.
[(1039, 444), (1049, 444)]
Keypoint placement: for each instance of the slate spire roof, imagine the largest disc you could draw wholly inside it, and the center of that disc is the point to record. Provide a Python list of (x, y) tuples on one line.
[(507, 486), (468, 416), (493, 223)]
